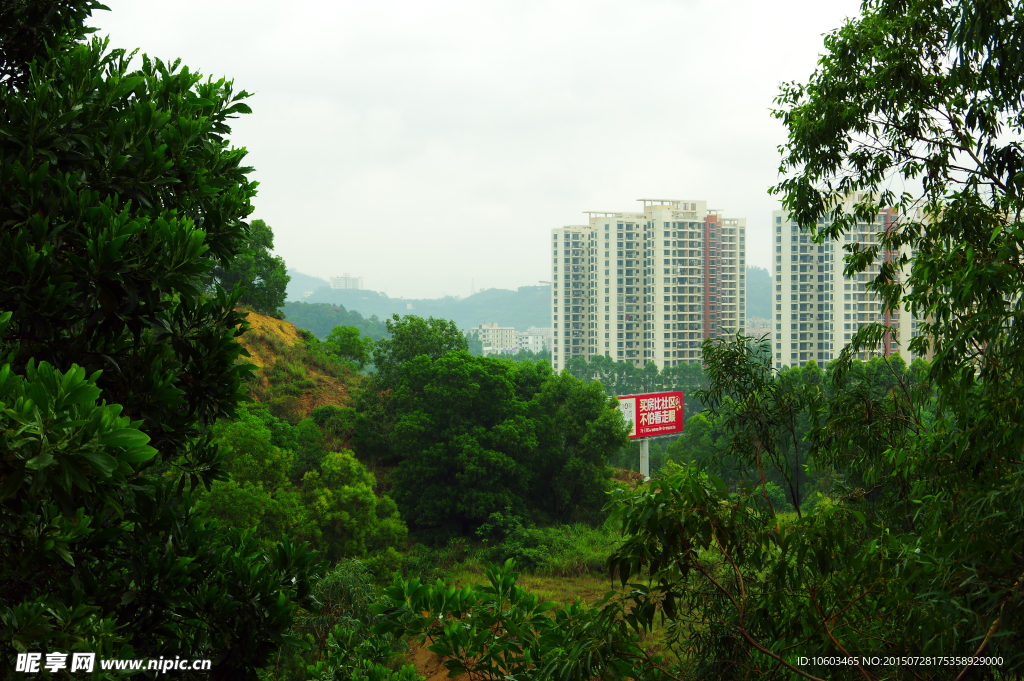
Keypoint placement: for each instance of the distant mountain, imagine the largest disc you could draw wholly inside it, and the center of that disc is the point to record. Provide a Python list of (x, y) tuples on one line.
[(321, 318), (759, 292), (300, 283), (525, 307)]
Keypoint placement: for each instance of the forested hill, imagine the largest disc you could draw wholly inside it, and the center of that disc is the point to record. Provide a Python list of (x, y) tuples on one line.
[(321, 318), (299, 283), (528, 306)]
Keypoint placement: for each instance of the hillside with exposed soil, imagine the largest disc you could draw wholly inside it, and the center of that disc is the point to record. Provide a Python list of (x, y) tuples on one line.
[(293, 376)]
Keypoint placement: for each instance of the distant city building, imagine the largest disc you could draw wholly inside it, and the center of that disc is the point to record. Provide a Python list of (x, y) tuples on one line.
[(534, 342), (506, 340), (496, 339), (647, 286), (544, 333), (345, 281), (307, 294), (759, 326), (817, 308)]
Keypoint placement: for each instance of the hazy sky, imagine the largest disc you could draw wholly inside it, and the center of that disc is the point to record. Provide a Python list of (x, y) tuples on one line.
[(430, 144)]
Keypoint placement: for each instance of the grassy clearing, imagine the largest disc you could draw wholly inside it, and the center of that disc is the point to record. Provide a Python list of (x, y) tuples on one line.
[(588, 587), (563, 590)]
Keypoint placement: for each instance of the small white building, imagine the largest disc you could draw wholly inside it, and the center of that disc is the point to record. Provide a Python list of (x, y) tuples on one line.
[(496, 339), (533, 342), (506, 340), (346, 282), (544, 333)]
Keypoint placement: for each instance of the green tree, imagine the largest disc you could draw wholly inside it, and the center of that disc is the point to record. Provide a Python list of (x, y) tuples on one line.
[(347, 343), (410, 337), (119, 194), (623, 378), (465, 442), (700, 441), (342, 644), (349, 518), (477, 436), (281, 482), (927, 93), (262, 276), (29, 31), (765, 417), (498, 630), (524, 355), (475, 345), (578, 428)]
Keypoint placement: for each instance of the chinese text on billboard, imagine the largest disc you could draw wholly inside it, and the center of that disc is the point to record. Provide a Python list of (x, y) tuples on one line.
[(653, 413)]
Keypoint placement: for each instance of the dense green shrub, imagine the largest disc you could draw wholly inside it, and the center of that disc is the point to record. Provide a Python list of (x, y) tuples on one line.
[(340, 636), (560, 551), (281, 482), (336, 423)]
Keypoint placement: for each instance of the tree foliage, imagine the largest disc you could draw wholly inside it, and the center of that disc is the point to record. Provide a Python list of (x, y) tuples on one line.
[(624, 378), (119, 194), (929, 92), (476, 436), (91, 545), (30, 29), (498, 630), (340, 632), (346, 343), (262, 276), (283, 483), (409, 337)]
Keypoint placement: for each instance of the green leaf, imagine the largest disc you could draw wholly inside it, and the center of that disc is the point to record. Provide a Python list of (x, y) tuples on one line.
[(127, 85), (125, 437), (101, 461), (63, 553), (40, 462), (138, 454)]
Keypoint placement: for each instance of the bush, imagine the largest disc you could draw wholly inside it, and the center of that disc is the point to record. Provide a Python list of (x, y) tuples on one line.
[(339, 632), (336, 423), (777, 496), (563, 551)]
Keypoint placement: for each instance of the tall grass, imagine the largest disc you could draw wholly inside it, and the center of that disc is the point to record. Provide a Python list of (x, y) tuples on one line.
[(561, 551)]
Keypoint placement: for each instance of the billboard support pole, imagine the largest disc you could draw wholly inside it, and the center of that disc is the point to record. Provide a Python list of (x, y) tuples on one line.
[(645, 458)]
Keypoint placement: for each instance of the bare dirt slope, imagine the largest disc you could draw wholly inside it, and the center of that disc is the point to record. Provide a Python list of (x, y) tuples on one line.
[(290, 378), (261, 337)]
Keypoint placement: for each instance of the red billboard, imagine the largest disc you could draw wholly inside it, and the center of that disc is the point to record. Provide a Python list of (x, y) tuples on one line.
[(653, 413)]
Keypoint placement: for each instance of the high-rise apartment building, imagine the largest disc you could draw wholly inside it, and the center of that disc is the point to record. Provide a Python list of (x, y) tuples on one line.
[(817, 309), (647, 286)]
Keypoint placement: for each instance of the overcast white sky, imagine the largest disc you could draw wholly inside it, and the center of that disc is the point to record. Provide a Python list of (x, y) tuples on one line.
[(428, 144)]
